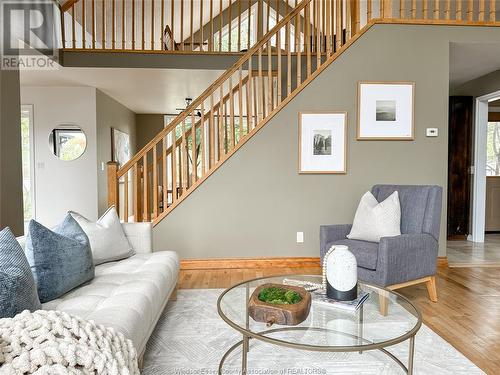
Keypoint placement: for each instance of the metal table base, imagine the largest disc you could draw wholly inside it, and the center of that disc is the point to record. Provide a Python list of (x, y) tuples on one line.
[(245, 343)]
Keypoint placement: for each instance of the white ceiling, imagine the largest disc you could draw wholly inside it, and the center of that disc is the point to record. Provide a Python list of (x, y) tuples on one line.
[(141, 90), (469, 61)]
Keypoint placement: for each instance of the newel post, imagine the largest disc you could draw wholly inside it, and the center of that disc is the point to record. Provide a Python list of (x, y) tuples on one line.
[(112, 184)]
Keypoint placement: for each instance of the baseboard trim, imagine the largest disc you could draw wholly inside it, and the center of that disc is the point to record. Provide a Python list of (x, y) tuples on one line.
[(457, 237), (249, 263), (442, 262), (475, 265), (257, 263)]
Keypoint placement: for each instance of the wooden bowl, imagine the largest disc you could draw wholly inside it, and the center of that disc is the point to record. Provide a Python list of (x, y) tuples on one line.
[(288, 315)]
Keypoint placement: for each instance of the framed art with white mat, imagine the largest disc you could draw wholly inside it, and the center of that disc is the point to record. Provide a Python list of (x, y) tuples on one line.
[(120, 147), (322, 142), (386, 111)]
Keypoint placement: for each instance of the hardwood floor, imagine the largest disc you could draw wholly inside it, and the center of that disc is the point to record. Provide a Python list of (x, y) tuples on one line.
[(472, 254), (467, 314)]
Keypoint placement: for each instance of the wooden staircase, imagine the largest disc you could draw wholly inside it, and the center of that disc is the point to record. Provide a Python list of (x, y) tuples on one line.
[(241, 101)]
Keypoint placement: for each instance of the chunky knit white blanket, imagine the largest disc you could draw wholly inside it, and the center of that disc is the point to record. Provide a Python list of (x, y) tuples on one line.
[(53, 342)]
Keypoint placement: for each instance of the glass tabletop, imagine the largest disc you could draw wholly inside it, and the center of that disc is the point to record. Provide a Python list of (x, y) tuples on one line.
[(327, 328)]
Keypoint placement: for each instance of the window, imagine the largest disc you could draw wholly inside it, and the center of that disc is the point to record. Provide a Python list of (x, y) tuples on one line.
[(493, 149), (234, 32), (273, 16), (27, 164), (168, 119)]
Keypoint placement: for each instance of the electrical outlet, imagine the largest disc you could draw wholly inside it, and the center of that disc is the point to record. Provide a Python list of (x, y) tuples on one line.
[(300, 237)]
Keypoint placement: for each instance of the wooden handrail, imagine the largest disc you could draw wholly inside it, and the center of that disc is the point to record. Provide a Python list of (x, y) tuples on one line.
[(68, 4), (245, 97)]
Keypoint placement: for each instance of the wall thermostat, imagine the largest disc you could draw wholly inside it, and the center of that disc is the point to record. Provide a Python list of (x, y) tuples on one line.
[(432, 132)]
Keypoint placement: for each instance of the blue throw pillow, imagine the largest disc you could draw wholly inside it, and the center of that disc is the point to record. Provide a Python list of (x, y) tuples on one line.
[(60, 259), (17, 286)]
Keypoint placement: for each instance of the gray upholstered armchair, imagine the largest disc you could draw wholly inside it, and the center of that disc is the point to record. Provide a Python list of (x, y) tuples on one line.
[(403, 260)]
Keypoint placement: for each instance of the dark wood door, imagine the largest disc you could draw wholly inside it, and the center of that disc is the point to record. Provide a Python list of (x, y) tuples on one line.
[(459, 162)]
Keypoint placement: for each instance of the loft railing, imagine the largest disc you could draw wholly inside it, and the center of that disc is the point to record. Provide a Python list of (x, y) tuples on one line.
[(169, 26), (444, 10), (229, 26), (229, 112)]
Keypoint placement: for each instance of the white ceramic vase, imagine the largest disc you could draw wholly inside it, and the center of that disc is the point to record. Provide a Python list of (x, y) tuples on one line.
[(341, 274)]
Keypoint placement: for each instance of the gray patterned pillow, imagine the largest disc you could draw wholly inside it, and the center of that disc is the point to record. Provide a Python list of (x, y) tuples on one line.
[(60, 259), (17, 286)]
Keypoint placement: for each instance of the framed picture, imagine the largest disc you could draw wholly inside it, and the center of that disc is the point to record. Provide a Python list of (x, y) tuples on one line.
[(120, 147), (322, 142), (386, 111)]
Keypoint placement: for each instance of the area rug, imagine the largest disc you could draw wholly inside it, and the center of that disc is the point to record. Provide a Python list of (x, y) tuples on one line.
[(191, 338)]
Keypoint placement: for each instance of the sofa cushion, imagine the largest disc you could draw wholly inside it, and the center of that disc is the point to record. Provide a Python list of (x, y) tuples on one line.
[(17, 285), (127, 295), (107, 238), (60, 259), (366, 253)]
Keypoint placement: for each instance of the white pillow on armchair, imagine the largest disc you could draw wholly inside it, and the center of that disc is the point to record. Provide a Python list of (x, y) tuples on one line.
[(374, 220)]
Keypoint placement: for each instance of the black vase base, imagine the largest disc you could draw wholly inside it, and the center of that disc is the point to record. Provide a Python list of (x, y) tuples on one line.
[(340, 295)]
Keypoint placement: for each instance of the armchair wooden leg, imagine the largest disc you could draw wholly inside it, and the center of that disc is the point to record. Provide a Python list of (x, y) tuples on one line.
[(383, 299), (430, 283), (431, 288)]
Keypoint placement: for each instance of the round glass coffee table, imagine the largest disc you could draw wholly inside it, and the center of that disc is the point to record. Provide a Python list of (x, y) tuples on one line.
[(385, 319)]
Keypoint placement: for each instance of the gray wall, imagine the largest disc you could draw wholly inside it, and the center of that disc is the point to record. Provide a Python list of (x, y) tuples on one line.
[(110, 114), (11, 191), (148, 126), (254, 205)]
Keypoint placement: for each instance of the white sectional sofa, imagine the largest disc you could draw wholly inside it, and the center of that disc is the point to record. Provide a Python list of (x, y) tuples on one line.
[(128, 295)]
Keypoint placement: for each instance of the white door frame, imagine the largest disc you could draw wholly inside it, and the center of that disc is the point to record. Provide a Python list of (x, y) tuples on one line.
[(480, 149)]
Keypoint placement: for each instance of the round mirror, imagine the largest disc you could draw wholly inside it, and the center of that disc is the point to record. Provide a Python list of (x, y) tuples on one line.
[(67, 142)]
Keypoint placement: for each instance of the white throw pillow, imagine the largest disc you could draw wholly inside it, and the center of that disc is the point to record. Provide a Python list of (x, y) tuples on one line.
[(374, 220), (108, 241)]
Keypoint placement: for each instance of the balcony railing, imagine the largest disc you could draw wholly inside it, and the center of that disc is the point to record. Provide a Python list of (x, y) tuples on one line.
[(234, 26), (170, 26)]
